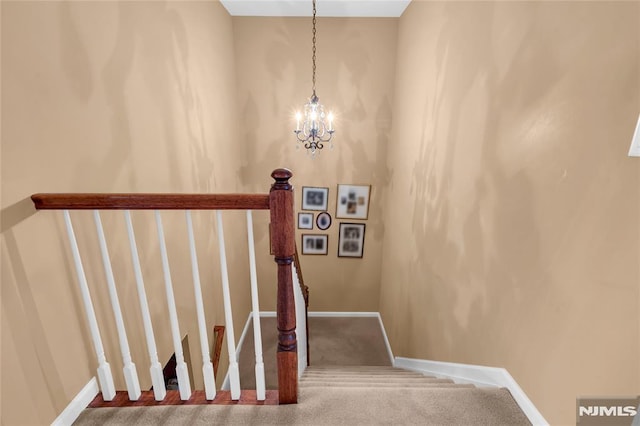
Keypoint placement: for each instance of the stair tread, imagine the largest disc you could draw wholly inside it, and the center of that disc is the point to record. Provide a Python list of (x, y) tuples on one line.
[(361, 373), (376, 380), (354, 367), (376, 376), (397, 386)]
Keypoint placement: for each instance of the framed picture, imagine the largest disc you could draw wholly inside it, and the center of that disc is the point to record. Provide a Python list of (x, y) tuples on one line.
[(323, 221), (353, 201), (305, 220), (314, 198), (315, 244), (351, 241)]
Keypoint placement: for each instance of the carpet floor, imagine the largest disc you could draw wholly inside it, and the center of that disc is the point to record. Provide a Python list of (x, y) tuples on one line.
[(347, 384), (332, 341)]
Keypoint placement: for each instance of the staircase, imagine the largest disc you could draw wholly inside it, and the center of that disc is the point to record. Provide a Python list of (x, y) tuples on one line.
[(335, 390), (350, 382)]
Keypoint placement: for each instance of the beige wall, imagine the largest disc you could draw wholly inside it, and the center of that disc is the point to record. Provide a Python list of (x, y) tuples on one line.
[(512, 214), (503, 213), (355, 69), (108, 97)]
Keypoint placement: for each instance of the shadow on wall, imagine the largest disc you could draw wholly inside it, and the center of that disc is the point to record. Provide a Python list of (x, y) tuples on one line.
[(263, 152), (163, 118), (474, 222), (27, 330), (267, 111)]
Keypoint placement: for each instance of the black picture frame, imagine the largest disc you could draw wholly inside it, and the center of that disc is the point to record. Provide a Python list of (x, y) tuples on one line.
[(323, 221), (351, 240)]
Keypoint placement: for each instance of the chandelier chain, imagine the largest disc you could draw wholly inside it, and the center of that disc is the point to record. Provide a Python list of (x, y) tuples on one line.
[(313, 59)]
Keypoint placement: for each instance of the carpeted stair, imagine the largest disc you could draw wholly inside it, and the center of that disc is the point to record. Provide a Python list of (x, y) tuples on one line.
[(337, 390), (388, 395), (375, 376)]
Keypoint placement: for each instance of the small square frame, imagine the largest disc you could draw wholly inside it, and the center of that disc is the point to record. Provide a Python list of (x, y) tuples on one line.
[(315, 198), (351, 240), (353, 201), (315, 244), (305, 220)]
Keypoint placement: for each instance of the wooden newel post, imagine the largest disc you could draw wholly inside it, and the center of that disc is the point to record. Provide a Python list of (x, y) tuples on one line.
[(283, 245)]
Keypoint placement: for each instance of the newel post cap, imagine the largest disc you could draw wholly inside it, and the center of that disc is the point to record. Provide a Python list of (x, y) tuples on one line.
[(281, 177)]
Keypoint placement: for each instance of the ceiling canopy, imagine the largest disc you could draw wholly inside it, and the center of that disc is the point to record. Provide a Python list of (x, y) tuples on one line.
[(326, 8)]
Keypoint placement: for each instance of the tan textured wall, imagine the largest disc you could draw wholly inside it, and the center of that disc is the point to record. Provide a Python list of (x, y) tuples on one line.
[(512, 216), (108, 97), (355, 69)]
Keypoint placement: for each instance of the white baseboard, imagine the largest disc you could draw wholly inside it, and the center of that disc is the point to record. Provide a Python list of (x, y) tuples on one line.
[(344, 314), (78, 404), (477, 375), (386, 339)]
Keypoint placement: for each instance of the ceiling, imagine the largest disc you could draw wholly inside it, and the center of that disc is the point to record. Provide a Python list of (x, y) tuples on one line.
[(327, 8)]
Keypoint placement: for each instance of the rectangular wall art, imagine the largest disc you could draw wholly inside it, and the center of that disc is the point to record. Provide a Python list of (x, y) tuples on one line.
[(353, 201), (314, 198), (315, 244), (351, 241), (305, 220)]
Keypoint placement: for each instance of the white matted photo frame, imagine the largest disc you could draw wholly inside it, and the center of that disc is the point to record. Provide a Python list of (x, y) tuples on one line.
[(351, 240), (315, 244), (353, 201), (315, 198), (305, 220)]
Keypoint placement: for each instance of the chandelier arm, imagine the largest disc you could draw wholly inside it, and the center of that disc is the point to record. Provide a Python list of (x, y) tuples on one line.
[(302, 137)]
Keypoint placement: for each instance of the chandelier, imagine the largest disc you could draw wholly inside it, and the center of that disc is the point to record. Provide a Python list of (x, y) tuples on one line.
[(314, 127)]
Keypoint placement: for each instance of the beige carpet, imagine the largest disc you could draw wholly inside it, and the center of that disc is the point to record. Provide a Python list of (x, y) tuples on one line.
[(350, 383), (371, 396)]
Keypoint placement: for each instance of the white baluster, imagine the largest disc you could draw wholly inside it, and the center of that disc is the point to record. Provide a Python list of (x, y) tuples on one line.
[(301, 322), (234, 374), (257, 334), (207, 366), (184, 384), (129, 369), (104, 370), (157, 376)]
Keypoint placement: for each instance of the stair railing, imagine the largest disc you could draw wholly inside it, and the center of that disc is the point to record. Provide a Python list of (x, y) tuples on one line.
[(280, 203)]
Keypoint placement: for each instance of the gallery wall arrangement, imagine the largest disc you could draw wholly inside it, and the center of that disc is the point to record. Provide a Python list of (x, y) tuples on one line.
[(352, 203)]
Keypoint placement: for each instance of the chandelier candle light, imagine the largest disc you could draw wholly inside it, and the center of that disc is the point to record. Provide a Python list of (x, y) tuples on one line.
[(315, 128)]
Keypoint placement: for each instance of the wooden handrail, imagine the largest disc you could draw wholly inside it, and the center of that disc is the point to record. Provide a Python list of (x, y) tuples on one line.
[(151, 201), (280, 203)]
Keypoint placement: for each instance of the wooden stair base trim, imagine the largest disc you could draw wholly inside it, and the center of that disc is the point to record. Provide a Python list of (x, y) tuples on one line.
[(147, 399)]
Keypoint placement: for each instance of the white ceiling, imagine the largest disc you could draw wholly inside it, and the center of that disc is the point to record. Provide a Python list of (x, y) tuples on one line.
[(328, 8)]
